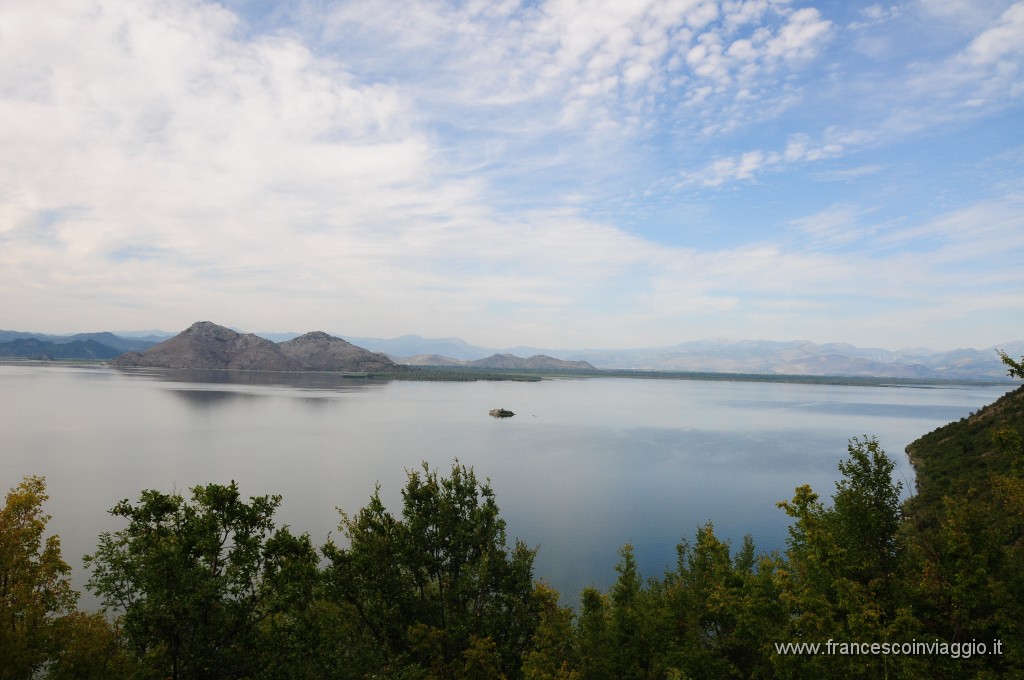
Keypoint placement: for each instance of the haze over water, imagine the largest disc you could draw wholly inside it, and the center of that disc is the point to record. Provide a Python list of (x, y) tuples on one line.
[(584, 467)]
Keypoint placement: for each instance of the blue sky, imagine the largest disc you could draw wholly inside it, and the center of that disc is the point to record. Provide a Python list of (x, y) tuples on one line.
[(562, 174)]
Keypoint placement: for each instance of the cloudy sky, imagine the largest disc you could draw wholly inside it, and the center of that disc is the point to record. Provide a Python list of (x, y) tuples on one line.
[(559, 173)]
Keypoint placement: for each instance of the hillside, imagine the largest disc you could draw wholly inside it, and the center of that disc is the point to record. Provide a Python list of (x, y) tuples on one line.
[(962, 456)]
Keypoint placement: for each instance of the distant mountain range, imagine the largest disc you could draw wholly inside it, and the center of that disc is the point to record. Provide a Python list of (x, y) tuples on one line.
[(322, 350), (118, 342), (34, 348), (730, 356)]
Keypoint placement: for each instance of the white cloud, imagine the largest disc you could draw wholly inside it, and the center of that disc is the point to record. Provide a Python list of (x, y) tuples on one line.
[(873, 15), (750, 164), (1003, 43), (838, 224), (986, 71), (169, 167), (598, 62), (801, 37)]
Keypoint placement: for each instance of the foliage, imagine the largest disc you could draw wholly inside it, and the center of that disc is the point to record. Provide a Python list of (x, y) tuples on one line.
[(91, 647), (35, 588), (554, 654), (963, 456), (438, 591), (725, 607), (843, 576), (967, 549), (201, 583), (1015, 369)]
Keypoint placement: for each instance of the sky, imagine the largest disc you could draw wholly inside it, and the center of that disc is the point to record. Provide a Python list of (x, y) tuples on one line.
[(554, 173)]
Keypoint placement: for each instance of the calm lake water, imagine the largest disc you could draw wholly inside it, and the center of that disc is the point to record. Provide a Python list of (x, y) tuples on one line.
[(584, 467)]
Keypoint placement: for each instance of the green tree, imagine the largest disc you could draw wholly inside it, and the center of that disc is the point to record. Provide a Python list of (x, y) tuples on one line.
[(725, 608), (35, 588), (866, 513), (438, 591), (200, 583), (596, 637), (555, 654), (844, 568), (638, 622), (91, 648), (1015, 369)]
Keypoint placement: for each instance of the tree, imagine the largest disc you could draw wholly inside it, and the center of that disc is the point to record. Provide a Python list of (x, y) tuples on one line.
[(725, 608), (90, 649), (845, 562), (438, 591), (554, 655), (867, 514), (1015, 368), (199, 582), (596, 641), (638, 622), (35, 588)]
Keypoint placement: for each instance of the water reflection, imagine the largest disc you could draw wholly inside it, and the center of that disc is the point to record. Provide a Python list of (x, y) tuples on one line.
[(298, 380), (207, 398)]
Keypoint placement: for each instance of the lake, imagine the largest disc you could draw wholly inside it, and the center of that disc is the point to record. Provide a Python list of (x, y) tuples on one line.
[(585, 466)]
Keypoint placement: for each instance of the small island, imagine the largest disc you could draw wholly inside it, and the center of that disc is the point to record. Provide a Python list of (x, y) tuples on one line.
[(501, 413)]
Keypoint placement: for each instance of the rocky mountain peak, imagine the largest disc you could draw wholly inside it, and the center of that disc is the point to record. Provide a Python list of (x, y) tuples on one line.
[(314, 337), (319, 351)]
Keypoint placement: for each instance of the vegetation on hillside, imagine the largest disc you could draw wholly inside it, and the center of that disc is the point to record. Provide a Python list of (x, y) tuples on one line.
[(212, 587)]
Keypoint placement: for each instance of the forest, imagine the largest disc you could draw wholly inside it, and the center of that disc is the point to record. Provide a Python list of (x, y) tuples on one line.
[(208, 585)]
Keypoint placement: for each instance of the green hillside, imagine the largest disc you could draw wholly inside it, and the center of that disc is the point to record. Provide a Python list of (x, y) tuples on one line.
[(959, 458)]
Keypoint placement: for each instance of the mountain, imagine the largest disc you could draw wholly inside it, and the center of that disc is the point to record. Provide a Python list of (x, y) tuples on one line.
[(207, 345), (318, 351), (500, 362), (115, 341), (429, 360), (34, 348)]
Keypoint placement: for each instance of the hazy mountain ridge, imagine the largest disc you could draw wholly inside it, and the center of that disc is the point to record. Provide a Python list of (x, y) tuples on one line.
[(745, 356), (122, 343), (34, 348), (410, 346), (537, 362), (711, 355)]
